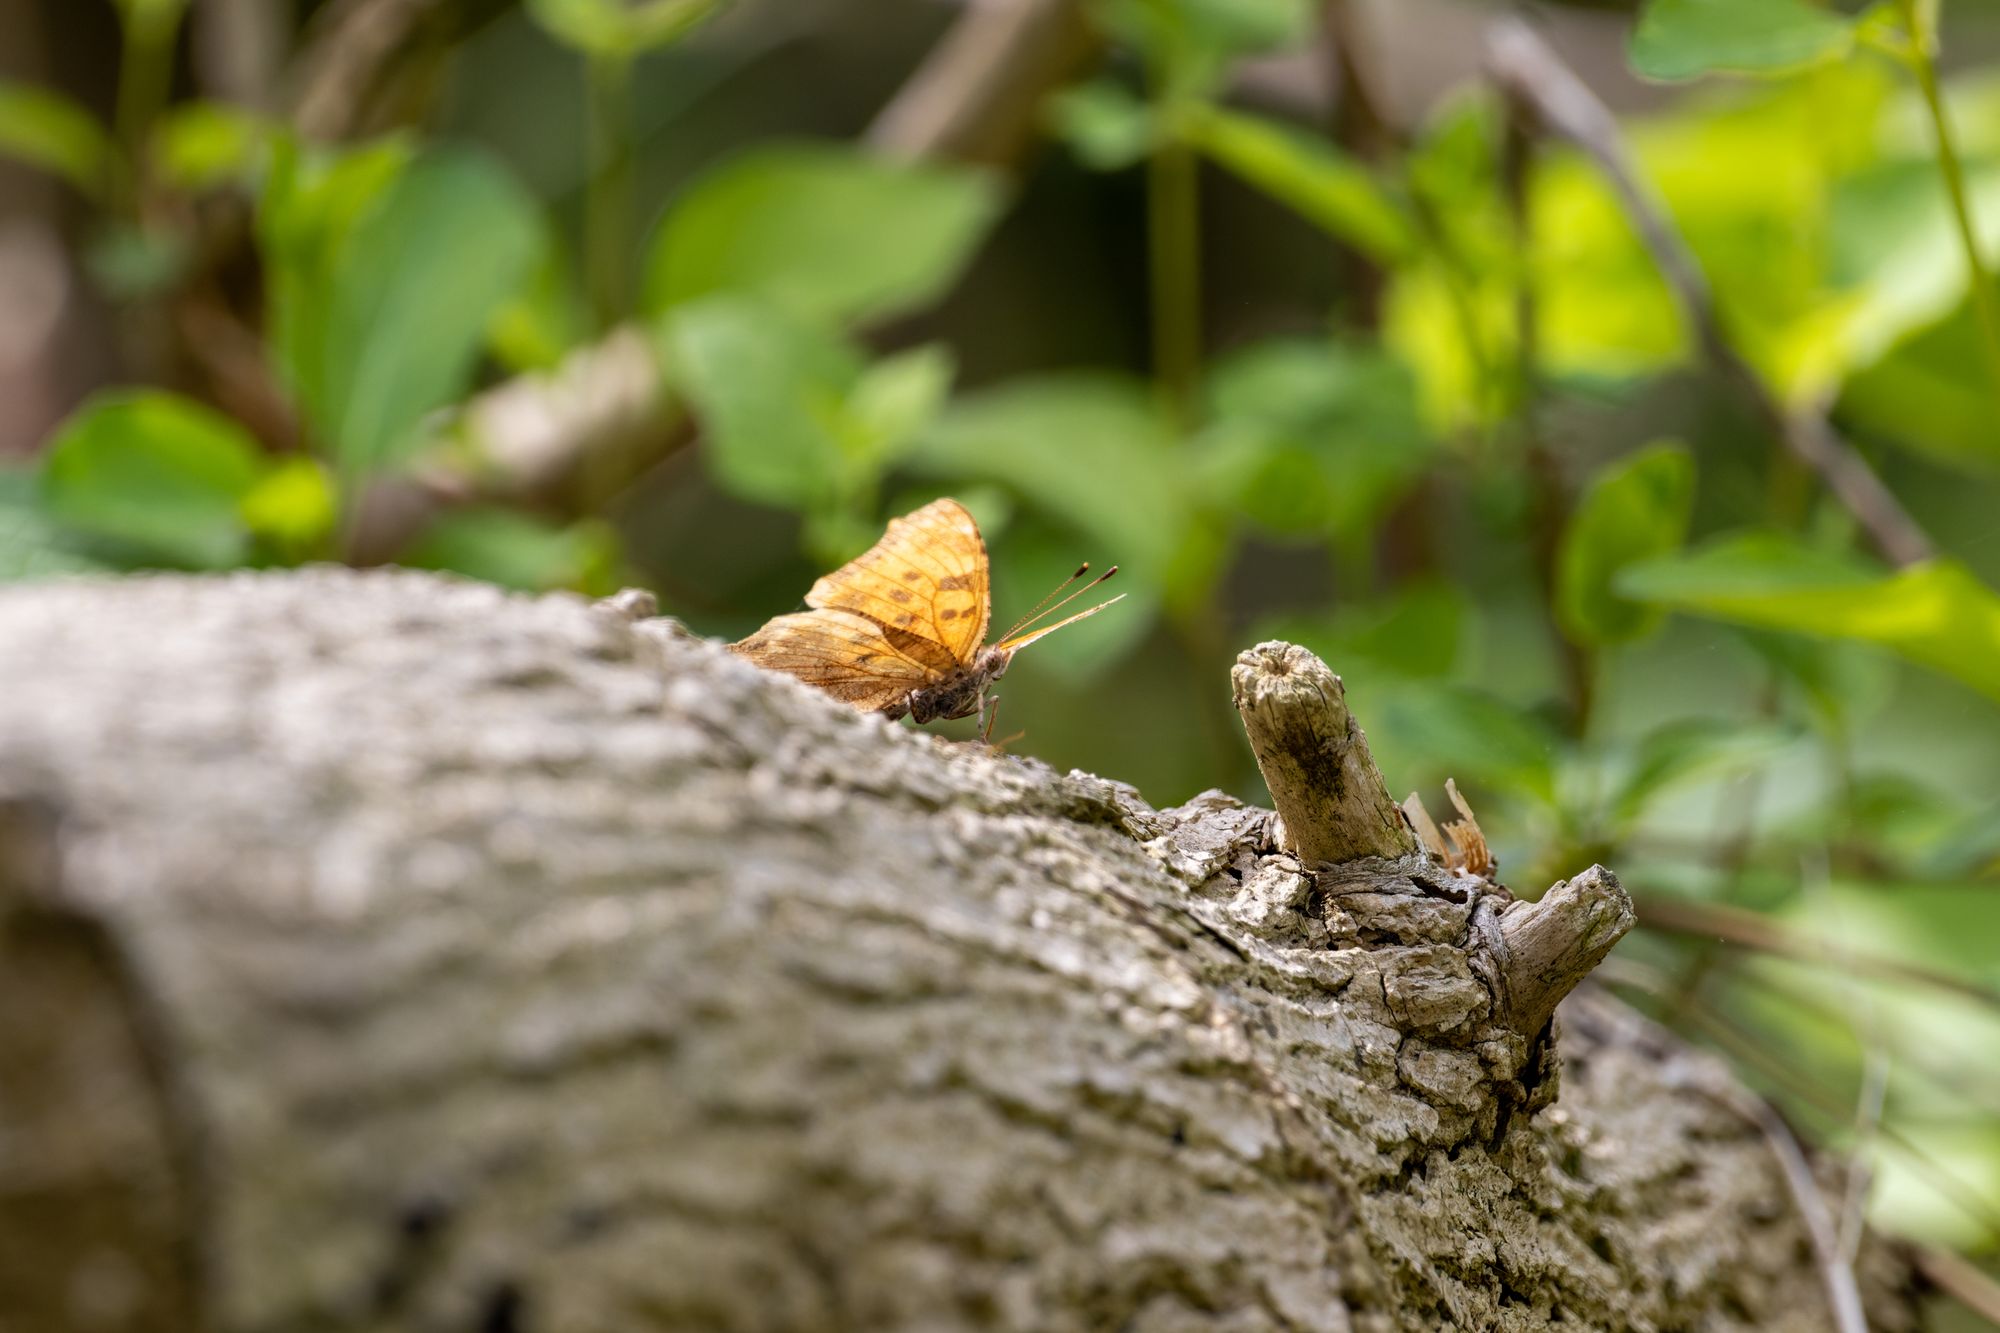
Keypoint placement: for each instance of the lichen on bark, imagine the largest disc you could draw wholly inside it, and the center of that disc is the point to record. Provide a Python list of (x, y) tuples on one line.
[(461, 960)]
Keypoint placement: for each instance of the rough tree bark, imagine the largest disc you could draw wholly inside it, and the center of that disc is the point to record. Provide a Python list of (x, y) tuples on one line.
[(381, 951)]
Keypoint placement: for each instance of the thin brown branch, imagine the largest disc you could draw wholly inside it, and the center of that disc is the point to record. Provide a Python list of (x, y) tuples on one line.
[(1749, 930), (1549, 96), (978, 94), (1962, 1280)]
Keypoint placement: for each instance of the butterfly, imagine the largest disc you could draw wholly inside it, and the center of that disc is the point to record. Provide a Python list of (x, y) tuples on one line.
[(898, 630)]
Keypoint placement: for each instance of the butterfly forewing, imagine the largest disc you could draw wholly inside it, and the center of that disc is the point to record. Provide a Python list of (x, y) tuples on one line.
[(847, 655), (927, 577)]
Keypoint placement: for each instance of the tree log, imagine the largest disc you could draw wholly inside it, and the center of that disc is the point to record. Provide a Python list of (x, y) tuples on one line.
[(382, 951)]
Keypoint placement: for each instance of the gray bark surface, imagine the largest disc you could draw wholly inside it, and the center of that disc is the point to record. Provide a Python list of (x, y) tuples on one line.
[(381, 951)]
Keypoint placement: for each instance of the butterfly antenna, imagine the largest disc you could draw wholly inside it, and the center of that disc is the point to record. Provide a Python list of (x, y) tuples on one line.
[(1081, 570), (1045, 610)]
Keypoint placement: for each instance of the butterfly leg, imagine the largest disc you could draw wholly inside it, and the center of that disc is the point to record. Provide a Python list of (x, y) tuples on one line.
[(989, 708)]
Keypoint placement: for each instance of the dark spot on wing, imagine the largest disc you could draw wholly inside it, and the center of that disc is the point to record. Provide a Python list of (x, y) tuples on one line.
[(911, 576), (899, 594), (949, 613), (956, 583)]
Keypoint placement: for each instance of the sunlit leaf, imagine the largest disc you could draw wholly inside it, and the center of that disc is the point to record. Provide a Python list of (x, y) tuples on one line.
[(1634, 510), (1936, 614), (826, 230), (620, 29), (200, 145), (157, 475), (1326, 186), (1685, 39), (292, 507), (47, 130)]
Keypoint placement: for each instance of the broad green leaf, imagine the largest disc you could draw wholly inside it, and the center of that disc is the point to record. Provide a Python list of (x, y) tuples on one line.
[(1636, 509), (47, 130), (1936, 614), (897, 397), (514, 550), (1694, 750), (408, 298), (158, 475), (311, 202), (769, 391), (1105, 125), (33, 545), (1932, 394), (1310, 438), (1685, 39), (1416, 634), (620, 29), (200, 145), (1324, 185), (1092, 451), (830, 232), (1458, 731)]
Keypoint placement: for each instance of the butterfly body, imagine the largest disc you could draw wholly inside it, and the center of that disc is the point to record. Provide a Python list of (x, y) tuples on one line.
[(901, 628), (961, 693)]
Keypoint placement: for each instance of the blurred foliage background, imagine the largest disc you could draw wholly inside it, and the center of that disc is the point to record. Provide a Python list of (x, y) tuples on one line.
[(1611, 399)]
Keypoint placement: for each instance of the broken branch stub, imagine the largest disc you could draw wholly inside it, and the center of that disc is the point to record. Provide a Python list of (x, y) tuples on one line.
[(1552, 944), (1332, 804)]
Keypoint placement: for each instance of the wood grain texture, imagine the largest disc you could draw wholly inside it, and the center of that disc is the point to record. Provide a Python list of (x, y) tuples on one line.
[(473, 961)]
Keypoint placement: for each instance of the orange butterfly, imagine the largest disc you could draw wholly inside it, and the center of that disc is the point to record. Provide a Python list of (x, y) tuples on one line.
[(898, 629)]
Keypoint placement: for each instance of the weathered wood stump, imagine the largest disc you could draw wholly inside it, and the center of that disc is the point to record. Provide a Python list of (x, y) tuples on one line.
[(379, 951)]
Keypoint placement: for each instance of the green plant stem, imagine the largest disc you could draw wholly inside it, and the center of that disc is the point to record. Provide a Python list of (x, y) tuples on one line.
[(1954, 181), (145, 73), (607, 201), (1173, 233)]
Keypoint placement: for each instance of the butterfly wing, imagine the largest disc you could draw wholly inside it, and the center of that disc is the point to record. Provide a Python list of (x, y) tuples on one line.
[(926, 577), (857, 661)]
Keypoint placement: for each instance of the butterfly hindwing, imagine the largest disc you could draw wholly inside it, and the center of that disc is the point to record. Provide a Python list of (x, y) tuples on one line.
[(927, 577), (849, 656)]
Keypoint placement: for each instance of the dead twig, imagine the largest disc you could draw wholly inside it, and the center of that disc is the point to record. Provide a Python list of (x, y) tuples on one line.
[(1549, 96), (978, 95)]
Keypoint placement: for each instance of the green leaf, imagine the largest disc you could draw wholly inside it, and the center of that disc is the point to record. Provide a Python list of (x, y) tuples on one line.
[(51, 132), (897, 397), (1693, 750), (620, 29), (293, 507), (200, 145), (1415, 634), (1105, 125), (408, 297), (1307, 174), (312, 200), (1461, 732), (827, 231), (511, 549), (769, 391), (32, 545), (1092, 451), (1310, 438), (156, 474), (1936, 614), (1685, 39), (1634, 510)]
